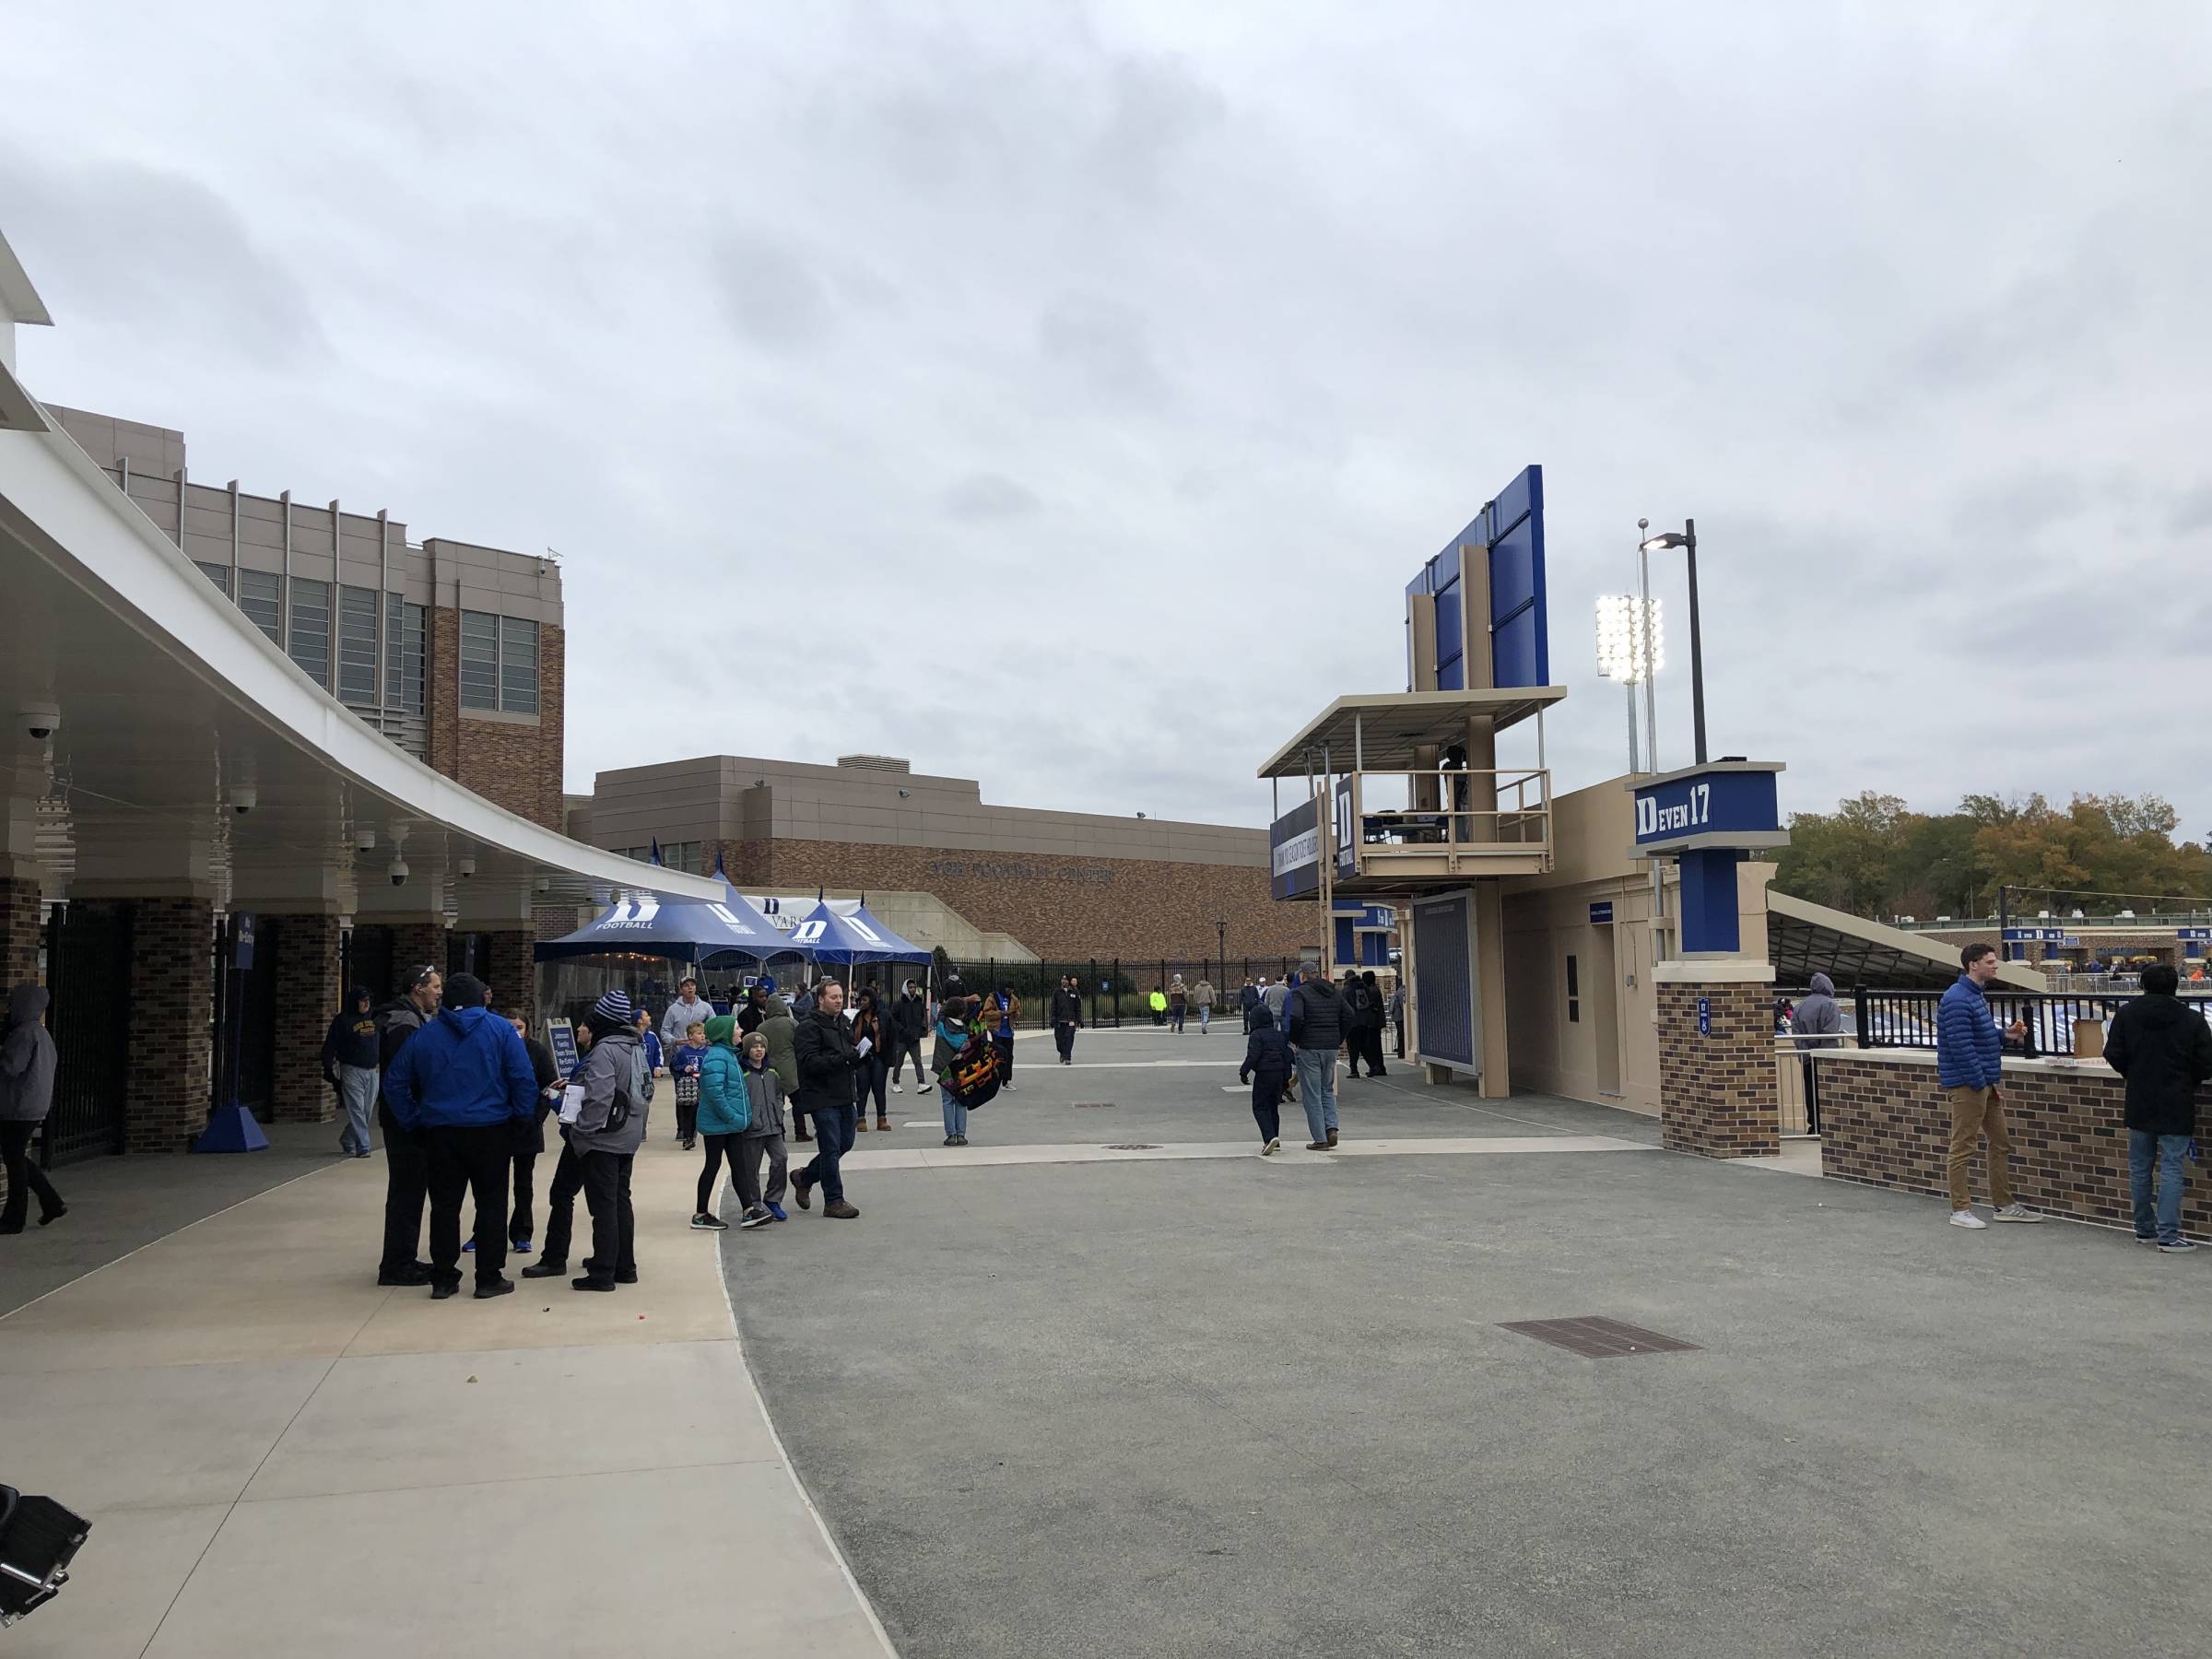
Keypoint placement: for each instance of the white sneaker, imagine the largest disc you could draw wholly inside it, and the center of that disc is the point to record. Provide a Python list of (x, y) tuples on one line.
[(1967, 1219), (1274, 1145), (2014, 1212), (898, 1088)]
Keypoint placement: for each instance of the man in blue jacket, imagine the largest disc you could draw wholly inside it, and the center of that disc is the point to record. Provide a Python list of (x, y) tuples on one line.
[(1968, 1049), (464, 1084)]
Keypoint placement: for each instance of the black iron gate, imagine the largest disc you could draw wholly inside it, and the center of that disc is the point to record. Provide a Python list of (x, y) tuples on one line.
[(88, 972)]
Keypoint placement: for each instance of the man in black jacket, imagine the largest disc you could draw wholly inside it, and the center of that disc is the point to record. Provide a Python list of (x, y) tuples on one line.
[(830, 1062), (521, 1221), (2164, 1050), (406, 1158), (1067, 1014), (910, 1024), (1317, 1026)]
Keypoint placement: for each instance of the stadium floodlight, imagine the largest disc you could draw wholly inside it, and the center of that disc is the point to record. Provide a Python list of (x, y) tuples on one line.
[(1622, 639)]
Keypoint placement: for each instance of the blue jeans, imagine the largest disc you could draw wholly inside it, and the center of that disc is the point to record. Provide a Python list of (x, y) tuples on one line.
[(357, 1089), (956, 1114), (1317, 1090), (833, 1129), (2165, 1224)]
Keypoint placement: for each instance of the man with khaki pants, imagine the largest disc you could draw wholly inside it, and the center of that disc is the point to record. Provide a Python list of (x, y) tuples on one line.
[(1968, 1052)]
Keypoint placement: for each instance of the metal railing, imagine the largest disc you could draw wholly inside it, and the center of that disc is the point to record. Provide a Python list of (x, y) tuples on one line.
[(1522, 817), (2033, 1022)]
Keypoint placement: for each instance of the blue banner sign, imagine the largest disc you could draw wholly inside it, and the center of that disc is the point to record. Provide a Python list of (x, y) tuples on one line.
[(560, 1037), (243, 962), (1732, 803), (1294, 845), (1345, 832), (2039, 936), (2203, 935), (1601, 912), (1704, 1016)]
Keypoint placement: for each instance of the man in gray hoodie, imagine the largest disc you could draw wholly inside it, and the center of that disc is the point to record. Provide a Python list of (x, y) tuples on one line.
[(1818, 1016), (26, 1059)]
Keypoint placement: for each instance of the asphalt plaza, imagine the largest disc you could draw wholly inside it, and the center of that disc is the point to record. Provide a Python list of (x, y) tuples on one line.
[(1232, 1406)]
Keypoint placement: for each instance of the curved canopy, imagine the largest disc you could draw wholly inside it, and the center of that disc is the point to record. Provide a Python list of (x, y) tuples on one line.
[(686, 930), (859, 937)]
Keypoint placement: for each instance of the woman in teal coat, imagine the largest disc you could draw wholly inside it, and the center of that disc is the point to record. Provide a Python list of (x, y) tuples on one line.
[(725, 1111)]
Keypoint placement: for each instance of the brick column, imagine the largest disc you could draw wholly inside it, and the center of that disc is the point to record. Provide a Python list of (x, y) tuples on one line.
[(307, 996), (1716, 1088), (171, 1012), (413, 944), (19, 903), (511, 973)]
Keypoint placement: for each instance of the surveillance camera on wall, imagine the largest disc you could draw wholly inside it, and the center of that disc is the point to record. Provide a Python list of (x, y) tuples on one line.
[(398, 872), (364, 841), (40, 720), (468, 865), (243, 800)]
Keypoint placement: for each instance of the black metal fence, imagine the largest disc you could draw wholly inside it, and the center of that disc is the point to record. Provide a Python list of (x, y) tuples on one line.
[(1115, 991), (2046, 1019)]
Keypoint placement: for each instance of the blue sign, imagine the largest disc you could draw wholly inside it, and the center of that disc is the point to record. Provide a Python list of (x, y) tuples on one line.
[(1601, 912), (1729, 803), (560, 1037), (1509, 533), (2039, 936), (244, 959), (1294, 845), (2202, 935), (1345, 832), (1704, 1016)]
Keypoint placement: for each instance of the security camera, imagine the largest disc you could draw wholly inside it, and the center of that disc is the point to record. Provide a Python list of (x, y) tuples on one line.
[(398, 872), (468, 865), (364, 841), (41, 721), (245, 800)]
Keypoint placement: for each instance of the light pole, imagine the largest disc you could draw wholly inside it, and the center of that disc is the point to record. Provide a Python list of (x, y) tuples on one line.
[(1630, 649), (1687, 539), (1221, 938)]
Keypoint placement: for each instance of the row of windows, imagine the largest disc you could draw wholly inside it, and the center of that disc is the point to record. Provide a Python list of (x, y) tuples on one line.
[(674, 855), (498, 654)]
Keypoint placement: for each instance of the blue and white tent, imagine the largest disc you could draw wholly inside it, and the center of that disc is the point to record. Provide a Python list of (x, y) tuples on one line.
[(687, 930), (859, 937)]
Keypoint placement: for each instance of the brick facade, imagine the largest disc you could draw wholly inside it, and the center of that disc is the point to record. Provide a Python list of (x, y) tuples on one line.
[(1059, 906), (307, 996), (1716, 1090), (1888, 1124), (18, 931), (510, 973), (413, 944), (517, 765), (173, 1011)]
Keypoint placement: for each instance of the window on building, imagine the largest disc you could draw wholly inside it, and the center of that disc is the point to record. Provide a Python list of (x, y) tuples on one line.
[(310, 628), (480, 659), (219, 574), (680, 855), (499, 663), (261, 596), (518, 665), (403, 654), (1574, 992), (356, 645)]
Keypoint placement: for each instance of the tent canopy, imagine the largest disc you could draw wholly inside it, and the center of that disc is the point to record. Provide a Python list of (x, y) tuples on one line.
[(859, 937), (686, 930), (778, 941)]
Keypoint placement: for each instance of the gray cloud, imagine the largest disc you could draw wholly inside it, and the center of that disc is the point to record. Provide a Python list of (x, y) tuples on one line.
[(1237, 312)]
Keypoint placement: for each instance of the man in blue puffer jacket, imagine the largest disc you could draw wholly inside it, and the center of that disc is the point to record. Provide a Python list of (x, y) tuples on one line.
[(465, 1085), (1968, 1052)]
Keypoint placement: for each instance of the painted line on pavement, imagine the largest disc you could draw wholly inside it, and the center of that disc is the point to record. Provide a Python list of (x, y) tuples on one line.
[(956, 1157)]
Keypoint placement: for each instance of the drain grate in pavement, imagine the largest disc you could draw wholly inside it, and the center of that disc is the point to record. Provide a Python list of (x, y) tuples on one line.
[(1132, 1147), (1598, 1338)]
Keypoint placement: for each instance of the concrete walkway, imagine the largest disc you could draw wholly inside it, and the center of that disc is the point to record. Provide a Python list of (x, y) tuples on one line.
[(280, 1458)]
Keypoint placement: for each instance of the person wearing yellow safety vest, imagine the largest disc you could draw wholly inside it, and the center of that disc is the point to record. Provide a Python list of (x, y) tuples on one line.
[(1160, 1008)]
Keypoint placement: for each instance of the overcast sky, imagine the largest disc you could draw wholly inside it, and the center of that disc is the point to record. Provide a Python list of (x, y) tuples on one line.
[(1066, 392)]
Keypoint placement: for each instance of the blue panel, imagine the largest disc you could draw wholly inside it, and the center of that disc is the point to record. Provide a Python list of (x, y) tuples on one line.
[(1444, 986), (1512, 529), (1450, 632), (1295, 846), (1708, 913), (1713, 803)]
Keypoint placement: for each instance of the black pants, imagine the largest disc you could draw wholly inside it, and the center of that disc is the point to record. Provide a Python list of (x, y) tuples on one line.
[(407, 1183), (24, 1177), (718, 1148), (1063, 1036), (903, 1049), (614, 1228), (1267, 1102), (560, 1205), (519, 1219), (875, 1078), (687, 1118), (1371, 1039), (1005, 1045), (1398, 1025), (834, 1128), (465, 1159)]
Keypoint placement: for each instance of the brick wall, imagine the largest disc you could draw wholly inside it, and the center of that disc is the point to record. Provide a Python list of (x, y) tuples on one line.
[(1716, 1090), (413, 944), (172, 1007), (18, 931), (307, 996), (509, 973), (1886, 1125), (517, 766), (1057, 905)]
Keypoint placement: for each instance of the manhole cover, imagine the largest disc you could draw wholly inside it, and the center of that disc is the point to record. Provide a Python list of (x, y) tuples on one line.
[(1598, 1338), (1092, 1105), (1132, 1147)]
